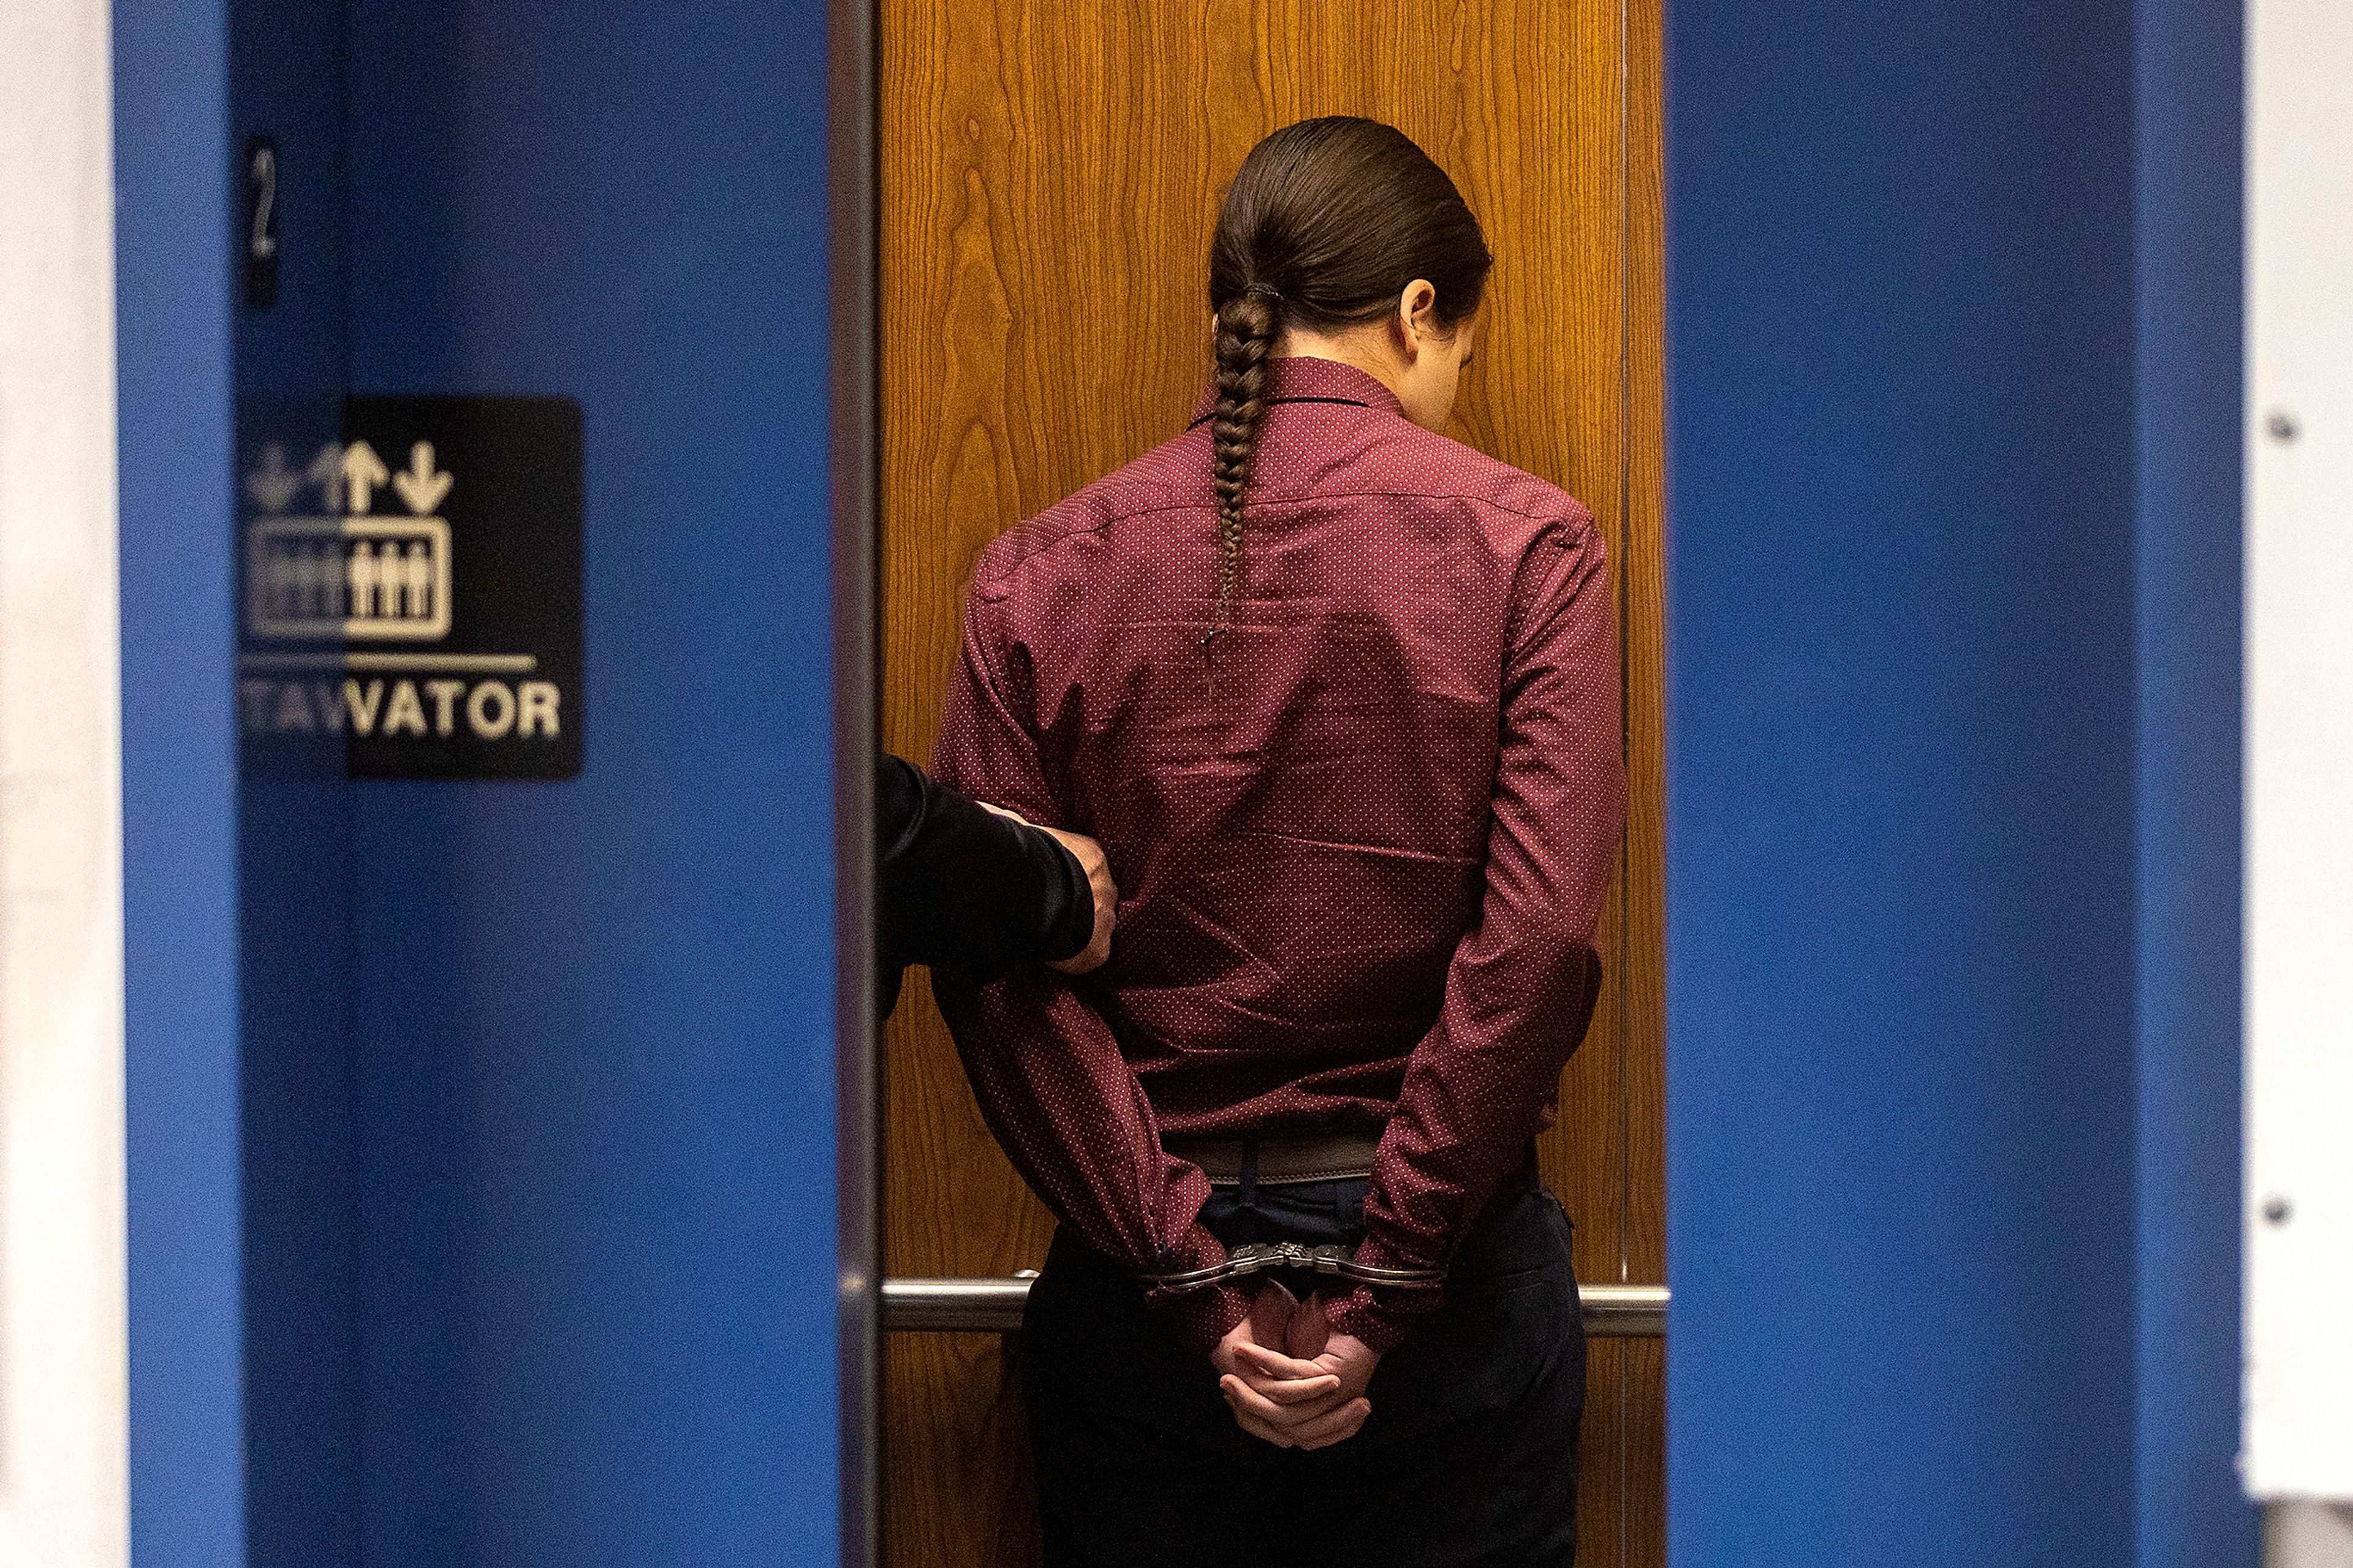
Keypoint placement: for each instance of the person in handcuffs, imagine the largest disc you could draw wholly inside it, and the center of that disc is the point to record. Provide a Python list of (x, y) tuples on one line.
[(1339, 698)]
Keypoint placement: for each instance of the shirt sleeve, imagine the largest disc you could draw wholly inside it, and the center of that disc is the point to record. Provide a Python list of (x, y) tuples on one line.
[(964, 888), (1521, 986), (1050, 1078)]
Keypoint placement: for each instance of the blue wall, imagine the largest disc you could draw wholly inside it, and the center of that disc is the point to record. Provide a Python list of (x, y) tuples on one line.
[(1900, 823), (482, 1141), (301, 1240), (593, 1019), (1953, 893), (179, 780), (2192, 1513)]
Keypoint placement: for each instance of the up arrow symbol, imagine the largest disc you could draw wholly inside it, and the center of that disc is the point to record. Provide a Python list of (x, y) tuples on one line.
[(273, 484), (419, 484), (363, 471)]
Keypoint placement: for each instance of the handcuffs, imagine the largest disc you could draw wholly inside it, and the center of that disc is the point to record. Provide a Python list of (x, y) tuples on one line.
[(1257, 1256)]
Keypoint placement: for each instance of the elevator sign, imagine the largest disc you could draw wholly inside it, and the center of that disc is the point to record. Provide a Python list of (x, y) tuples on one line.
[(413, 589)]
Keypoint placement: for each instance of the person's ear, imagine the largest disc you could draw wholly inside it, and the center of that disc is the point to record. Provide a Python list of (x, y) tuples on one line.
[(1416, 318)]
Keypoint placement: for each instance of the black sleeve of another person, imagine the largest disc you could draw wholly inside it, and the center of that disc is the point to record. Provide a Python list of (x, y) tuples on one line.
[(964, 888)]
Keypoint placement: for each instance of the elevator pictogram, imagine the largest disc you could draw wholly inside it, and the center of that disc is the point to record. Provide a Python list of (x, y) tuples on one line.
[(427, 613)]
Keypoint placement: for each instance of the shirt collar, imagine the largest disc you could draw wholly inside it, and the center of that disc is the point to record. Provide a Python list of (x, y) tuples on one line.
[(1301, 377)]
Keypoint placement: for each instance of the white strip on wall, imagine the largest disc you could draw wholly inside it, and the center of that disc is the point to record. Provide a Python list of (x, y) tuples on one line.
[(2299, 750), (63, 1433)]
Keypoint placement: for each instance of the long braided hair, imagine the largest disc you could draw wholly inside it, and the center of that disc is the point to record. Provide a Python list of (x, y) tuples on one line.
[(1324, 227)]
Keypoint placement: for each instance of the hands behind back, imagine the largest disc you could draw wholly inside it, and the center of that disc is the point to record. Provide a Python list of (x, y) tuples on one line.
[(1288, 1378)]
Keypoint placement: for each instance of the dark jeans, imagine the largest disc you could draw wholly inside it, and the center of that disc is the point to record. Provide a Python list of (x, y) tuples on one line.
[(1468, 1460)]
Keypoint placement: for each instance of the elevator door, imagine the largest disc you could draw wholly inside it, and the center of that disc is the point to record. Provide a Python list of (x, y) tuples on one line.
[(1049, 176)]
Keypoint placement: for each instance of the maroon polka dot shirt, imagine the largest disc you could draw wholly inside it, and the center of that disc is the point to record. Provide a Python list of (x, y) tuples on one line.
[(1361, 842)]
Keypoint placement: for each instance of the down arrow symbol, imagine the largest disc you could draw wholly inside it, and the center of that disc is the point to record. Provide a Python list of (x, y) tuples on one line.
[(419, 484)]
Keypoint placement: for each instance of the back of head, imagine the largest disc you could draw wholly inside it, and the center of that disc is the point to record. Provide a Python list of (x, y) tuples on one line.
[(1324, 226)]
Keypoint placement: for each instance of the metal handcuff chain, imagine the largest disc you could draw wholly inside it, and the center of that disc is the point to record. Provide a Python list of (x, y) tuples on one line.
[(1257, 1256)]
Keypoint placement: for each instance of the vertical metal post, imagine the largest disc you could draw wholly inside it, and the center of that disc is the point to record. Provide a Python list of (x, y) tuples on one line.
[(850, 27)]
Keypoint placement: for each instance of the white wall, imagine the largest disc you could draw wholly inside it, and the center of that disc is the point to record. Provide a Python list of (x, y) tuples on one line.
[(62, 1363), (2299, 759)]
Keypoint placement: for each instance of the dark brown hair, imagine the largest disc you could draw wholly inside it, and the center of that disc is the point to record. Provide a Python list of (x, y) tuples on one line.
[(1326, 223)]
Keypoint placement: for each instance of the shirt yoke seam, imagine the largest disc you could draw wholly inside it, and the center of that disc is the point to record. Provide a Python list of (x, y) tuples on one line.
[(1579, 516)]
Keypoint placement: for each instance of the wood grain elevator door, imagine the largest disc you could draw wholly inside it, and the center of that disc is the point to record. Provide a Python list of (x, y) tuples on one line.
[(1050, 172)]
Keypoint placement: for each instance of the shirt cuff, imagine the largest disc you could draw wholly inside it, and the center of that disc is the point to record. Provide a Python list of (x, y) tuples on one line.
[(1382, 1315), (1199, 1318), (1070, 923)]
